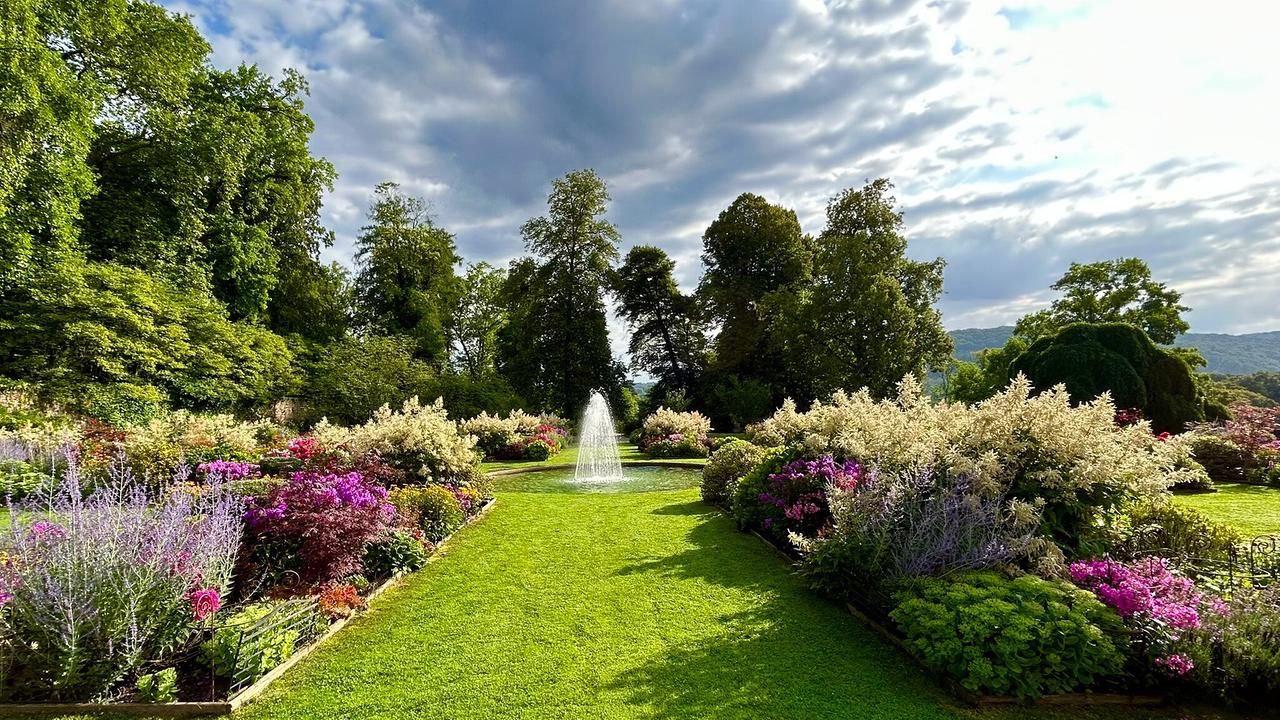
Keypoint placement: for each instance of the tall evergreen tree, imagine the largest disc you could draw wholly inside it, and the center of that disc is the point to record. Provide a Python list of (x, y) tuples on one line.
[(667, 337), (867, 318), (406, 283)]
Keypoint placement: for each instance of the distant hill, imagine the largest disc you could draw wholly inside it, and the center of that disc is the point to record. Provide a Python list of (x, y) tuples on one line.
[(1227, 354)]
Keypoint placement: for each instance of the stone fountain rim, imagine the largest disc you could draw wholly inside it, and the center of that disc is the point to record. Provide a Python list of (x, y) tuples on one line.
[(570, 466)]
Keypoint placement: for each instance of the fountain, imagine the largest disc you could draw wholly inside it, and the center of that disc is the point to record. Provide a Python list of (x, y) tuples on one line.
[(597, 444)]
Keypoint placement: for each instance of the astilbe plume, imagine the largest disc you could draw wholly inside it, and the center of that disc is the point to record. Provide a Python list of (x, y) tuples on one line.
[(107, 581), (326, 518)]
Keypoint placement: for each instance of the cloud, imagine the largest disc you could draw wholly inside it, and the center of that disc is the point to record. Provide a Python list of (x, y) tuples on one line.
[(1021, 137)]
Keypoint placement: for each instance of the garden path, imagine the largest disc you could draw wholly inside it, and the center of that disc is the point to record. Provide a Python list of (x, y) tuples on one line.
[(636, 605)]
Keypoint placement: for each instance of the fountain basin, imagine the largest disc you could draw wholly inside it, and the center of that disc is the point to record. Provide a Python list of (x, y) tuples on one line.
[(635, 478)]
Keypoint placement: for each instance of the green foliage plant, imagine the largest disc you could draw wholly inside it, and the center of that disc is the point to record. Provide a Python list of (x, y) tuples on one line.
[(726, 466), (1024, 637)]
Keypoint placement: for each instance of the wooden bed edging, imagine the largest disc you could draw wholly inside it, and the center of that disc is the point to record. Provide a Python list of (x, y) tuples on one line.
[(1080, 699), (239, 700)]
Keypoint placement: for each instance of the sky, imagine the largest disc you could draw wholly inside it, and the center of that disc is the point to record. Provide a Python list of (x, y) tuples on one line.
[(1021, 137)]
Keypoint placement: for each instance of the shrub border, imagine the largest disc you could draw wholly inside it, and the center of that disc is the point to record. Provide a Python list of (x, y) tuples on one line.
[(1076, 699), (244, 697)]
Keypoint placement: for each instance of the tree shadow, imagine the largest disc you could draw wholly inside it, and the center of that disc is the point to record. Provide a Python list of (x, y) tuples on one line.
[(793, 654)]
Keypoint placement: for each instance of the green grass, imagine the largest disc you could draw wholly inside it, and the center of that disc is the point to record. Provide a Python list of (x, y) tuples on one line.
[(641, 605), (1252, 509), (626, 451)]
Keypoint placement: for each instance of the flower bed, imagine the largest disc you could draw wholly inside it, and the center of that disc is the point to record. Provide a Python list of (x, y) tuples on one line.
[(518, 436), (1003, 544), (670, 434), (132, 587)]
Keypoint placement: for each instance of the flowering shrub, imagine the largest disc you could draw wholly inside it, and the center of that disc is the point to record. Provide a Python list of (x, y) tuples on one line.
[(1152, 599), (228, 470), (795, 496), (675, 446), (340, 600), (1025, 637), (1236, 652), (315, 525), (418, 439), (435, 509), (1253, 428), (108, 582), (156, 450), (1070, 464), (667, 433), (726, 466), (519, 436), (915, 522)]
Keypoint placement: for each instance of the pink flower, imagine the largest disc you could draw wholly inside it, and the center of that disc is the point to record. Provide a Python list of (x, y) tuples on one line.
[(1176, 664), (45, 529), (204, 603), (6, 597)]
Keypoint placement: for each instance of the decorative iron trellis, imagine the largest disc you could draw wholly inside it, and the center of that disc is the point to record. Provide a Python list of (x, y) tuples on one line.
[(1255, 563), (290, 626)]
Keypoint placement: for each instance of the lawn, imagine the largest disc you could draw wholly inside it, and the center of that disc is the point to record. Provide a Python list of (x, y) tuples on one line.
[(639, 605), (626, 451), (1253, 509)]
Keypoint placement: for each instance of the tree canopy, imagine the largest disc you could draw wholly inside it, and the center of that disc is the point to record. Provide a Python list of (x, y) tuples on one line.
[(1111, 291), (667, 334), (866, 316)]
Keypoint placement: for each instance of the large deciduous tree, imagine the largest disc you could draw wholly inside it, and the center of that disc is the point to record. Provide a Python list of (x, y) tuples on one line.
[(667, 331), (752, 249), (557, 345), (1111, 291), (866, 319), (406, 283), (480, 315)]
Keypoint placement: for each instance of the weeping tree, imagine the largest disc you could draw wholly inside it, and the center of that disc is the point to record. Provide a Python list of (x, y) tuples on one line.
[(1120, 359)]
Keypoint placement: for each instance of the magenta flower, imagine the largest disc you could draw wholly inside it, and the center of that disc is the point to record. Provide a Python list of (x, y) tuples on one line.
[(204, 603)]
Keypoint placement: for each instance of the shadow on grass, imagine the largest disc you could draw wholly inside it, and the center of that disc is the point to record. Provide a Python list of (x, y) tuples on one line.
[(792, 655)]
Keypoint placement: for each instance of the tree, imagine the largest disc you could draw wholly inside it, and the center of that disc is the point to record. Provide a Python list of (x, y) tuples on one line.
[(1116, 358), (218, 190), (575, 247), (480, 315), (974, 382), (1111, 291), (110, 326), (667, 337), (406, 283), (313, 301), (65, 66), (866, 319), (752, 249)]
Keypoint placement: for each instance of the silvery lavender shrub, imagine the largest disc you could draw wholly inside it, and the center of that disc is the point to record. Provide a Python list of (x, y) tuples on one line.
[(96, 584), (910, 523)]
